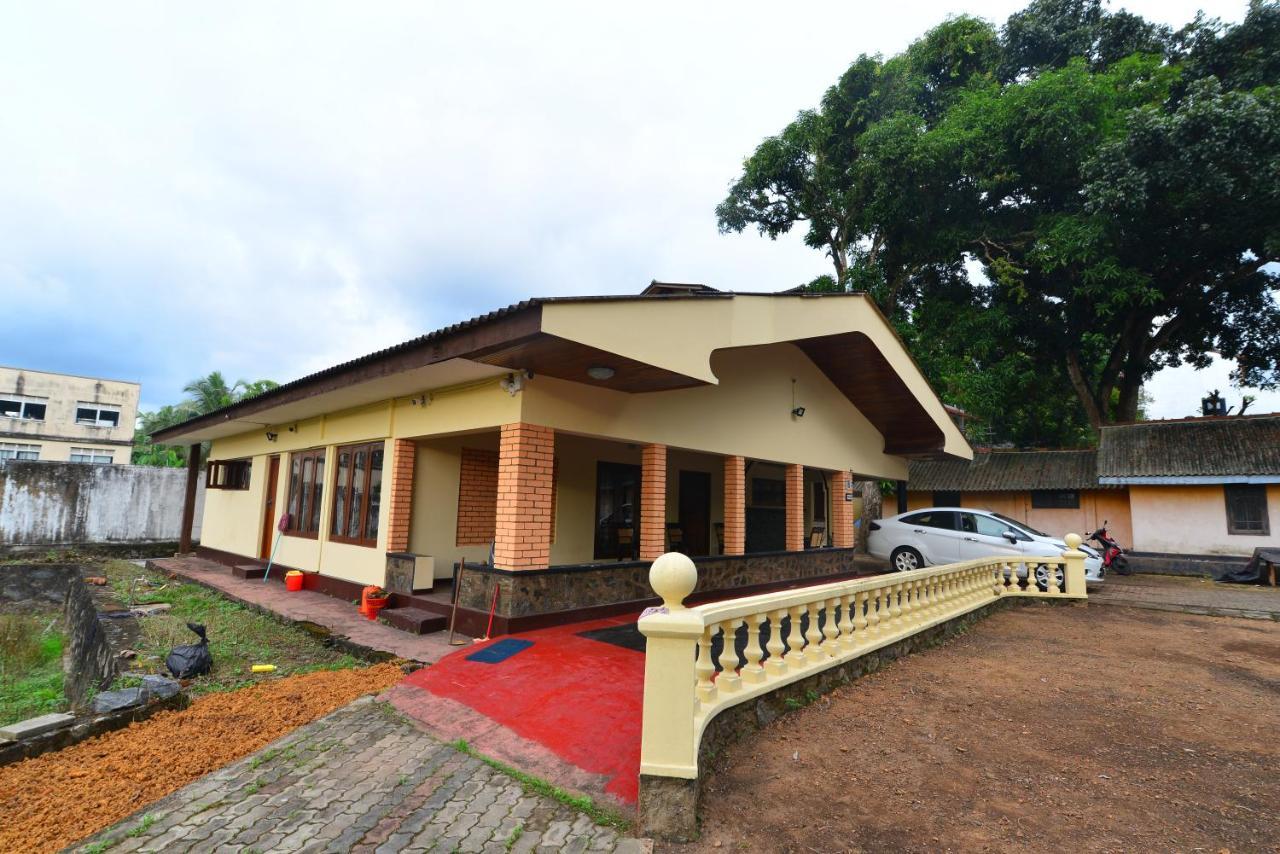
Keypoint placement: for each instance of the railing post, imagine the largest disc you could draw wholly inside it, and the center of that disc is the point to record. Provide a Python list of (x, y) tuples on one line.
[(1073, 576), (667, 741)]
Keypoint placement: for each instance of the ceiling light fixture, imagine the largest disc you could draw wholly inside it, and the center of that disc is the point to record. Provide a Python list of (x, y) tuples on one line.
[(600, 372)]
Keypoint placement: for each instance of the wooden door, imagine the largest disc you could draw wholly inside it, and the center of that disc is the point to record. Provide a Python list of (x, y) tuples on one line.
[(695, 511), (269, 518)]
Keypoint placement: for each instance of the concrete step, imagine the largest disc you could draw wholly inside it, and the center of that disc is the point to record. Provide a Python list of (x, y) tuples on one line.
[(414, 620), (253, 570)]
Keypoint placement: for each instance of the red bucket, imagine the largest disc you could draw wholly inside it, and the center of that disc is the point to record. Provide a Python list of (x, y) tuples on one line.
[(293, 580)]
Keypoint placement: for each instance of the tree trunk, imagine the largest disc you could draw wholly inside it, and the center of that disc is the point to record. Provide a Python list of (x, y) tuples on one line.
[(872, 508), (1081, 385)]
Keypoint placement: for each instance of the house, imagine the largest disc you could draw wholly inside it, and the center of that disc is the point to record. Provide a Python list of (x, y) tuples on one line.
[(558, 445), (1202, 488), (48, 416)]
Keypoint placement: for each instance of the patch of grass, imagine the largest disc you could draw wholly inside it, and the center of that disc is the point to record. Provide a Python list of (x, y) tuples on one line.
[(252, 788), (143, 826), (583, 804), (30, 666), (514, 837), (238, 637)]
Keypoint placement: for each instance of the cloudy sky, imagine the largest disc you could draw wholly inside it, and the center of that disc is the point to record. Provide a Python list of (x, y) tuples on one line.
[(268, 189)]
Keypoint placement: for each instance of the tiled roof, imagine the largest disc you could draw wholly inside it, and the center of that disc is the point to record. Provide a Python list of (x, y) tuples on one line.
[(1231, 446), (998, 471)]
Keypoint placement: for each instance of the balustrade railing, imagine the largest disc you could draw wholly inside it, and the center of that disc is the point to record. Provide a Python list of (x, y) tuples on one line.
[(704, 659)]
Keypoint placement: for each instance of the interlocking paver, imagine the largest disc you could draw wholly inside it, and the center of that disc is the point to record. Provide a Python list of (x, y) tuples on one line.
[(359, 780)]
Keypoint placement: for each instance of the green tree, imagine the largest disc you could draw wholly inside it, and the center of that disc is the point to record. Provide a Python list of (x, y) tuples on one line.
[(204, 395)]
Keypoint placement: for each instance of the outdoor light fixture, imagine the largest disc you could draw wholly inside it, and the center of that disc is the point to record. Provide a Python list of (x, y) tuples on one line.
[(798, 412), (600, 372), (271, 437)]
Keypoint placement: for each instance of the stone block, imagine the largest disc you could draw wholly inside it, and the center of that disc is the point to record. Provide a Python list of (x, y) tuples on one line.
[(159, 687), (35, 726), (114, 701)]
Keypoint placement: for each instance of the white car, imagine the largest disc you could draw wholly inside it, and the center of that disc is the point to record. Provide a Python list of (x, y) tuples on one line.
[(938, 535)]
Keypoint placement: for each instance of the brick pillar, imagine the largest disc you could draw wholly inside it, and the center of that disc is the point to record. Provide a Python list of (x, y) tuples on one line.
[(653, 501), (522, 521), (403, 454), (841, 511), (735, 505), (795, 508)]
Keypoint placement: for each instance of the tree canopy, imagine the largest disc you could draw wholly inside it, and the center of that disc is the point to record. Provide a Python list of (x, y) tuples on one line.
[(204, 395), (1051, 212)]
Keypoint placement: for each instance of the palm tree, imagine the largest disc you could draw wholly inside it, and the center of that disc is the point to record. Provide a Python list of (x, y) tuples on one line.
[(211, 393), (204, 395)]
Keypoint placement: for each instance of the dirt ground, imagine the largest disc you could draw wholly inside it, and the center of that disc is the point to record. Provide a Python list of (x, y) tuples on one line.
[(1043, 729), (58, 798)]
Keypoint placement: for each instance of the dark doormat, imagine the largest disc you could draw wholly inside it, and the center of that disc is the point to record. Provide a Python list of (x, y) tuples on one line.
[(500, 651), (626, 636)]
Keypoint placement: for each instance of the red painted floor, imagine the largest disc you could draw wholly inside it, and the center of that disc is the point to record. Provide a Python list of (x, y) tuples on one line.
[(578, 698)]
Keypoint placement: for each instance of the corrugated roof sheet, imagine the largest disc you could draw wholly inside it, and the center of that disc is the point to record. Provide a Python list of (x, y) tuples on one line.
[(999, 471), (1230, 446)]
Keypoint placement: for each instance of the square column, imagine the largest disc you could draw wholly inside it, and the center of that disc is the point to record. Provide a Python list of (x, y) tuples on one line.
[(522, 519), (841, 511), (795, 508), (735, 505), (653, 501), (403, 455)]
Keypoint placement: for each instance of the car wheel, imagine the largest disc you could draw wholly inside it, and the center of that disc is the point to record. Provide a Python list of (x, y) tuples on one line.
[(1042, 578), (905, 559)]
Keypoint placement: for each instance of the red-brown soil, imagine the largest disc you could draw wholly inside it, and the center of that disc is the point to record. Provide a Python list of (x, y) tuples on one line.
[(1043, 729), (53, 800)]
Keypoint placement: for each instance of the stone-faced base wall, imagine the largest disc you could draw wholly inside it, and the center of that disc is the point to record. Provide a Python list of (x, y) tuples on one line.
[(668, 806), (529, 592)]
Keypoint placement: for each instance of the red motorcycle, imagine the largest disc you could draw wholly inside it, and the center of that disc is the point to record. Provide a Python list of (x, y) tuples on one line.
[(1113, 557)]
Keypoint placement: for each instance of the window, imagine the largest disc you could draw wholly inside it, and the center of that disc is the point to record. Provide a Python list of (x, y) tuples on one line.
[(986, 526), (26, 408), (357, 495), (98, 414), (617, 510), (13, 451), (92, 455), (944, 519), (1247, 509), (227, 474), (1055, 499), (306, 485), (946, 498)]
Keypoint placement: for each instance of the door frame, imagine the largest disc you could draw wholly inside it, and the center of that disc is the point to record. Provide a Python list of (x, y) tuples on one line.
[(269, 506)]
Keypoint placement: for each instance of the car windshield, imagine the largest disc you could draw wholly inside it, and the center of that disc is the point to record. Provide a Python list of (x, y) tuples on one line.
[(1021, 526)]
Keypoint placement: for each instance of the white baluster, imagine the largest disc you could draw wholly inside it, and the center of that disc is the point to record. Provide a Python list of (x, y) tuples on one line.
[(863, 621), (830, 631), (795, 640), (847, 604), (705, 668), (875, 612), (776, 664), (729, 681), (753, 672), (813, 635)]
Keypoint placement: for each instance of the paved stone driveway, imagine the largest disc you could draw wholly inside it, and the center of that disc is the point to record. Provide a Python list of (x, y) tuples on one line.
[(361, 779), (1189, 595)]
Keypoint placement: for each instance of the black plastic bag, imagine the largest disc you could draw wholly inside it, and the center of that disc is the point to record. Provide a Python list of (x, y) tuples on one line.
[(191, 659)]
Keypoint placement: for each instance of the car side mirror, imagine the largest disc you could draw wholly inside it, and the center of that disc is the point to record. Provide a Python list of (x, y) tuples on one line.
[(1011, 536)]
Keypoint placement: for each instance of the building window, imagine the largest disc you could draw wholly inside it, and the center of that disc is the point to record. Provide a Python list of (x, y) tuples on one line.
[(26, 408), (617, 511), (92, 455), (1247, 509), (14, 451), (227, 474), (306, 486), (357, 495), (946, 498), (1055, 499), (97, 415)]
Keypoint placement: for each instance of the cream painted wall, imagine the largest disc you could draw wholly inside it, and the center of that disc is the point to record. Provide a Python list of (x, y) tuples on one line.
[(232, 519), (1193, 520), (576, 459), (61, 451), (62, 393), (748, 414), (1096, 505), (433, 529)]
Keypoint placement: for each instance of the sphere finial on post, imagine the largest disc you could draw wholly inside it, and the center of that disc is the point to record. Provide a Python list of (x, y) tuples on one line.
[(673, 577), (1073, 542)]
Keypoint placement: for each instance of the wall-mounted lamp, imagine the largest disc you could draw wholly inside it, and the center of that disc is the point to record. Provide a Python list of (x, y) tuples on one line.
[(512, 383), (600, 372), (798, 412), (293, 429), (421, 400), (271, 437)]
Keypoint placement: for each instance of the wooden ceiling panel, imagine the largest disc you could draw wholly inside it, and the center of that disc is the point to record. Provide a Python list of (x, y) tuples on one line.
[(552, 356)]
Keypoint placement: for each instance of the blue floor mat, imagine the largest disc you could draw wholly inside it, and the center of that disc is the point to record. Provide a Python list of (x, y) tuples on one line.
[(500, 651)]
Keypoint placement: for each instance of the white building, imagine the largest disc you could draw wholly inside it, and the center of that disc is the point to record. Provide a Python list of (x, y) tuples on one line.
[(47, 416)]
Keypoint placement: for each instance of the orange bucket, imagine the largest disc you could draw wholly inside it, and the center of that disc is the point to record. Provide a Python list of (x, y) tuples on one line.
[(293, 580)]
